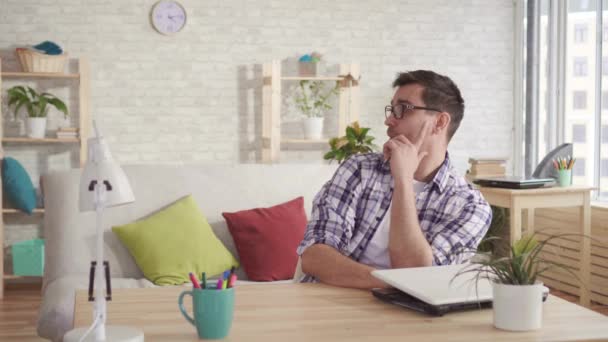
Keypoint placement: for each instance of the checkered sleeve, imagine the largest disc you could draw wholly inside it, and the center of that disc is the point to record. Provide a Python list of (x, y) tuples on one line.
[(334, 208), (455, 240)]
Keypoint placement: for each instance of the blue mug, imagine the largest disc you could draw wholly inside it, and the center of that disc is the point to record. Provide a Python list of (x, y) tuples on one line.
[(213, 311)]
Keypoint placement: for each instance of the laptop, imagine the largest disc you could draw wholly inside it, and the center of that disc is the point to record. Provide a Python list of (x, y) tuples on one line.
[(434, 290), (515, 182)]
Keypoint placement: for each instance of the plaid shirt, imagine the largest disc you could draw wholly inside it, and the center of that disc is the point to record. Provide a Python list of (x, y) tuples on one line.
[(349, 208)]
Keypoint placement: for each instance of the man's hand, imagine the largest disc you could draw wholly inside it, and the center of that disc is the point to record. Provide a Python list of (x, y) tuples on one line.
[(404, 155)]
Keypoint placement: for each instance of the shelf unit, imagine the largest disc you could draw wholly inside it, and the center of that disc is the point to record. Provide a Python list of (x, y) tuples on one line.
[(82, 77), (348, 105)]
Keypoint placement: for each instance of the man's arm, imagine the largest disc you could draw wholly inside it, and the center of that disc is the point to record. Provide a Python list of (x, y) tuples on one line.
[(329, 266), (407, 245)]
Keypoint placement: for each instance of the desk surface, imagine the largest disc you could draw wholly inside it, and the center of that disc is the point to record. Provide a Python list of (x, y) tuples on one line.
[(316, 312), (537, 191)]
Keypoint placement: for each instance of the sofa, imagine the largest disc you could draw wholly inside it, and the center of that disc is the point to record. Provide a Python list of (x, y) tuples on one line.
[(70, 235)]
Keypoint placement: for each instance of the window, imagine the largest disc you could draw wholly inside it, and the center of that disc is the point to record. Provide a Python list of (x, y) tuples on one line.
[(580, 33), (579, 133), (578, 93), (580, 66), (579, 99), (579, 167), (604, 168)]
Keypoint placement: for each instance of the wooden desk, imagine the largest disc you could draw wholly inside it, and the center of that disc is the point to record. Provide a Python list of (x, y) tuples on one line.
[(316, 312), (555, 197)]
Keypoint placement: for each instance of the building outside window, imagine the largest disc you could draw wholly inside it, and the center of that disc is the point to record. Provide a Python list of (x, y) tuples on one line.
[(579, 99), (579, 167), (580, 33), (579, 133), (580, 66)]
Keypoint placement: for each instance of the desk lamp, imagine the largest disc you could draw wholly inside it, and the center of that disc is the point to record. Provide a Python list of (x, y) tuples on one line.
[(103, 184)]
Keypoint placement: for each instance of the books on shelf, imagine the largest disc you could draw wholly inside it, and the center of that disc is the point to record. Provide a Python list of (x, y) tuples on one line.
[(475, 161), (67, 133), (486, 167)]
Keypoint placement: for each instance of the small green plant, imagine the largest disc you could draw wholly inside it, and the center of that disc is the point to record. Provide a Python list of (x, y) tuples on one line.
[(523, 264), (313, 98), (355, 141), (36, 104)]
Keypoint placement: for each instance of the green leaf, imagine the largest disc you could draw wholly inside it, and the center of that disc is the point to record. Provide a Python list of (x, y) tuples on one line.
[(57, 103), (350, 134), (329, 155), (524, 245), (363, 133)]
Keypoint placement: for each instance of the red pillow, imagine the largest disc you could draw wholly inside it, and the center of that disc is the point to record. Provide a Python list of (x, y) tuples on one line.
[(267, 239)]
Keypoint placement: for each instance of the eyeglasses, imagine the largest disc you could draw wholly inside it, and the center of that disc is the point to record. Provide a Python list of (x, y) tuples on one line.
[(402, 109)]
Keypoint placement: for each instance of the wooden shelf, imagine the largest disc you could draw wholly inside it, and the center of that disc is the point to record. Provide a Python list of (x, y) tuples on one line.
[(78, 78), (346, 108), (312, 78), (305, 141), (38, 75), (35, 141), (16, 211), (12, 276)]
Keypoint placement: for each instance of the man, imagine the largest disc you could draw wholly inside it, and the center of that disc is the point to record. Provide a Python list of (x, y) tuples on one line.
[(406, 207)]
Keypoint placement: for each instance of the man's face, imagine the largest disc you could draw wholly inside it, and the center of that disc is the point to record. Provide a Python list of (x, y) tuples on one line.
[(411, 122)]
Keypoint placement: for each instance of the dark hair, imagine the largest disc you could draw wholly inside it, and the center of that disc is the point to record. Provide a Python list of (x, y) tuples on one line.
[(439, 92)]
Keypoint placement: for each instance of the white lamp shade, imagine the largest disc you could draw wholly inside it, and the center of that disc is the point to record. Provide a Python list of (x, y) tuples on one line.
[(101, 168)]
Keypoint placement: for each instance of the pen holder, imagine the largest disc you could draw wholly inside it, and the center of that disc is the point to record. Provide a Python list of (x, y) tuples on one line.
[(564, 177), (213, 311)]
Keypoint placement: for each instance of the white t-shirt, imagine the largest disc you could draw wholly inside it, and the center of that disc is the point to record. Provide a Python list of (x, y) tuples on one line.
[(376, 254)]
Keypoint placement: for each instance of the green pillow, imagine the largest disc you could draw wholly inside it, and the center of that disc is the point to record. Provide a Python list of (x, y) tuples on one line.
[(173, 242), (18, 186)]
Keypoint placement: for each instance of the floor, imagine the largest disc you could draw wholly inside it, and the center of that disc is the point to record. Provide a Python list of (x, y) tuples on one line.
[(19, 309), (18, 313)]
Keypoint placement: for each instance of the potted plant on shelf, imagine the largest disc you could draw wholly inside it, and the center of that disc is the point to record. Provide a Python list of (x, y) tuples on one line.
[(355, 141), (517, 292), (37, 106), (313, 100)]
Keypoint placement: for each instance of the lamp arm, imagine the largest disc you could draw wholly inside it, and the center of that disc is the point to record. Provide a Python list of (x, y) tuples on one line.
[(93, 326)]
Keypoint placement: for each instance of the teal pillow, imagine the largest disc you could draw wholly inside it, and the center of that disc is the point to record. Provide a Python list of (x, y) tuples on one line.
[(18, 186)]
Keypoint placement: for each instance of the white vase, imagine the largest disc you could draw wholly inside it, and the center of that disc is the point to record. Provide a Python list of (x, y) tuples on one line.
[(313, 128), (36, 127), (517, 307)]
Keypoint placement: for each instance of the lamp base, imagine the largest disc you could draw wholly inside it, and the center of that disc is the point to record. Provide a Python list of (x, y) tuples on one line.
[(113, 333)]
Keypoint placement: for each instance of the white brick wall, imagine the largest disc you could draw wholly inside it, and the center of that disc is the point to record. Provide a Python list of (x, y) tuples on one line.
[(196, 96)]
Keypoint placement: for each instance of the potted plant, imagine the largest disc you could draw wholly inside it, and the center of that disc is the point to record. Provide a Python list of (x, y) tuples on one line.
[(355, 141), (517, 291), (37, 106), (313, 101)]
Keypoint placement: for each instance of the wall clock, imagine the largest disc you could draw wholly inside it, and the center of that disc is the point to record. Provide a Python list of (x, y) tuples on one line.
[(168, 17)]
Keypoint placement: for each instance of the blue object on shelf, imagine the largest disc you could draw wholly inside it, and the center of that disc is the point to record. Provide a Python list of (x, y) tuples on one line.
[(49, 48), (305, 58), (28, 257), (18, 186)]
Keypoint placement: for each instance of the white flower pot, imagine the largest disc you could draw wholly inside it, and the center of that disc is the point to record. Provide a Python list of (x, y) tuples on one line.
[(313, 128), (36, 127), (517, 307)]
